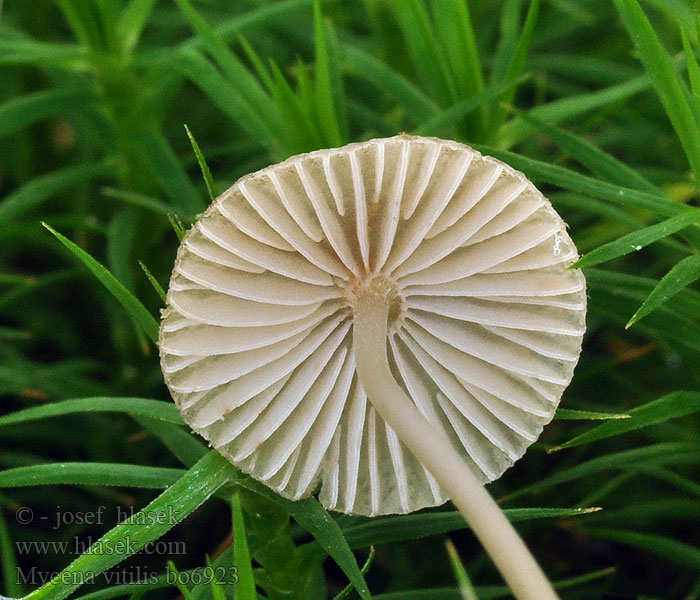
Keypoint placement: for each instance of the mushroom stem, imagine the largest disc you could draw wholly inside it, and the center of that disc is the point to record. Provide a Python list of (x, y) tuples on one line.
[(434, 450)]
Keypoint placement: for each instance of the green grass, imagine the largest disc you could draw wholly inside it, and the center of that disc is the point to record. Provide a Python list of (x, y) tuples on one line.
[(121, 119)]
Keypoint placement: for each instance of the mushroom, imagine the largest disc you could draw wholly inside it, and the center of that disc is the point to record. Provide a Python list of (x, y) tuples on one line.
[(392, 320)]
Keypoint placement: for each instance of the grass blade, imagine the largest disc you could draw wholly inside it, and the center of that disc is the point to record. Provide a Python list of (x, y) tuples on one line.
[(204, 167), (659, 454), (637, 240), (141, 200), (21, 112), (587, 186), (600, 163), (246, 85), (682, 554), (245, 586), (448, 118), (516, 63), (453, 22), (187, 448), (464, 584), (384, 530), (164, 165), (424, 51), (670, 406), (132, 304), (667, 83), (132, 22), (679, 277), (179, 500), (327, 80), (11, 584), (347, 590), (88, 473), (329, 537), (44, 187), (573, 106), (693, 73), (453, 26), (155, 409), (386, 79), (303, 134), (227, 97), (154, 283), (252, 19), (568, 414)]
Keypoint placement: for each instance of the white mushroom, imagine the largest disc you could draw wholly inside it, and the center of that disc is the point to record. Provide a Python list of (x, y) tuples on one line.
[(392, 320)]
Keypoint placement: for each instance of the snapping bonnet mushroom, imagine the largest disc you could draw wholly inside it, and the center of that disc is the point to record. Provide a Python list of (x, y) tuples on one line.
[(391, 322)]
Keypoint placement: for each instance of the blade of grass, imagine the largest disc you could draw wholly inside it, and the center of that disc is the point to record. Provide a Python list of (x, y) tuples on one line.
[(121, 237), (568, 414), (384, 530), (90, 473), (179, 581), (453, 21), (47, 55), (245, 586), (616, 295), (667, 83), (678, 278), (154, 282), (508, 24), (83, 22), (671, 477), (42, 188), (11, 583), (567, 108), (259, 66), (227, 97), (347, 590), (693, 73), (177, 502), (165, 166), (177, 225), (327, 92), (588, 186), (188, 449), (680, 553), (132, 304), (516, 64), (600, 163), (637, 240), (302, 133), (464, 584), (670, 406), (658, 454), (132, 21), (417, 104), (25, 110), (486, 592), (155, 409), (215, 587), (448, 118), (424, 50), (140, 200), (315, 519), (253, 20), (246, 85), (336, 80), (204, 167)]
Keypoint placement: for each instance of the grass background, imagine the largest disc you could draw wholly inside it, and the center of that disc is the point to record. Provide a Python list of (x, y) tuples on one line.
[(597, 101)]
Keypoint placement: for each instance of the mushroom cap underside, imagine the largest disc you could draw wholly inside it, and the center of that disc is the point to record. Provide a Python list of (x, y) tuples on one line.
[(485, 328)]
